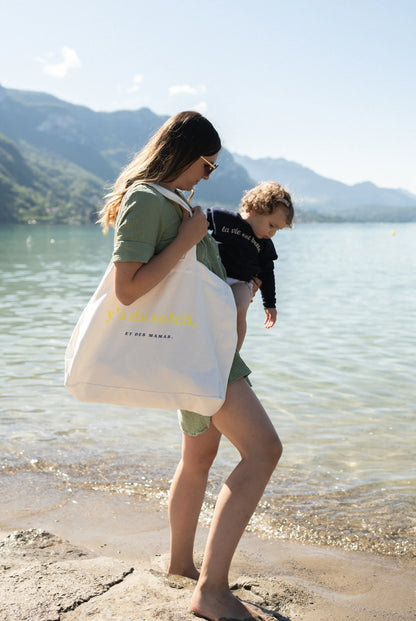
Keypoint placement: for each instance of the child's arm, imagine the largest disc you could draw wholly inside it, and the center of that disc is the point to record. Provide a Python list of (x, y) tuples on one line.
[(268, 287)]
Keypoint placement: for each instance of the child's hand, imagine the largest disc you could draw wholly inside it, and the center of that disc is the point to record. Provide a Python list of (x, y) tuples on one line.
[(271, 317), (255, 284)]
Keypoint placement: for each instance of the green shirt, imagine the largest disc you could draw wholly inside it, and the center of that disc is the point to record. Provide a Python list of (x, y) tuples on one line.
[(148, 222)]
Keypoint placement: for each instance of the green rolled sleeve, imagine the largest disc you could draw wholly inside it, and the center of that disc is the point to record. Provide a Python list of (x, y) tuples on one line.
[(146, 224)]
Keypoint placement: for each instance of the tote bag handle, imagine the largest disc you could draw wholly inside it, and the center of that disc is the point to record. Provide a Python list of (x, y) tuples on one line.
[(171, 196)]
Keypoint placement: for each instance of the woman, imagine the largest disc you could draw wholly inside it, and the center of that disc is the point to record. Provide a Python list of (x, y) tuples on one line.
[(152, 234)]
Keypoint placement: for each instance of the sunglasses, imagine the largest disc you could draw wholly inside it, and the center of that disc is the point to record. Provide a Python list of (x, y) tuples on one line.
[(209, 166)]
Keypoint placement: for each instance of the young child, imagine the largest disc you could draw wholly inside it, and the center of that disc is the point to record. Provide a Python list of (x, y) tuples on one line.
[(246, 249)]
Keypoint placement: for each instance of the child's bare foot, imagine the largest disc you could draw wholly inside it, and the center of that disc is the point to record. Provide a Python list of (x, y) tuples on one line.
[(221, 606)]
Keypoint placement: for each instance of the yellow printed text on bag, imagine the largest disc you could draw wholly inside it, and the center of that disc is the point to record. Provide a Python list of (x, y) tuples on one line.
[(180, 320)]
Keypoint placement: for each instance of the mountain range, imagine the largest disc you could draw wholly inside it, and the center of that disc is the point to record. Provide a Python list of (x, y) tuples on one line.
[(58, 160), (313, 192)]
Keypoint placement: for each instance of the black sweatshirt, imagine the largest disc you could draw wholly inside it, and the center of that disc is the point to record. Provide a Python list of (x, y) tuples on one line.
[(243, 254)]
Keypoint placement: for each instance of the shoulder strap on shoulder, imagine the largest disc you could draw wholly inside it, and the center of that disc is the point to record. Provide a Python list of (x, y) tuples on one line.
[(171, 196)]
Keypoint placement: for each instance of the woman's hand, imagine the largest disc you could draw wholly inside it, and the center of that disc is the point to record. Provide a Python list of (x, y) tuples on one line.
[(193, 228)]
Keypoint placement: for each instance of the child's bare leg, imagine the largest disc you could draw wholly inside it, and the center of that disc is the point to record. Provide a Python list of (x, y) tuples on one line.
[(186, 497), (242, 295), (244, 422)]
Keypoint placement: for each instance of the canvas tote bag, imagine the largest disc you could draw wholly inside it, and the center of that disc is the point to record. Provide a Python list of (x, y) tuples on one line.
[(172, 348)]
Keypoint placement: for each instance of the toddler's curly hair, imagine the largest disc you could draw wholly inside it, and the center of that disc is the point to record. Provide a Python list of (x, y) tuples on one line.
[(265, 197)]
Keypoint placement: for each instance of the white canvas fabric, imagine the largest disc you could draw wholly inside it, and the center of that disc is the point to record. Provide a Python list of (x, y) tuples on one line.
[(172, 348)]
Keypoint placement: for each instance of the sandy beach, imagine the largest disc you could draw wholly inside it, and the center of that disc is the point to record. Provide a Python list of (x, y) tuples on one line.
[(103, 557)]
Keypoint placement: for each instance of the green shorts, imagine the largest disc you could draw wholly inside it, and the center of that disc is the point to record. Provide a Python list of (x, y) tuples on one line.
[(192, 423)]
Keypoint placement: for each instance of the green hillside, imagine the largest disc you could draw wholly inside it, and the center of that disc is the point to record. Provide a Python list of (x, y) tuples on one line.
[(42, 188), (59, 160)]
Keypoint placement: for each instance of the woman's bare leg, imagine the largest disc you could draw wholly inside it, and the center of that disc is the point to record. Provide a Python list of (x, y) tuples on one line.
[(245, 423), (242, 296), (186, 497)]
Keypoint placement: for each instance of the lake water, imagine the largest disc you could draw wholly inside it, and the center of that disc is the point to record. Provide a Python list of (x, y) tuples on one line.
[(336, 374)]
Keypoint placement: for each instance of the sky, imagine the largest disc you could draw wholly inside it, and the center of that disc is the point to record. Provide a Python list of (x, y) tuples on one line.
[(329, 84)]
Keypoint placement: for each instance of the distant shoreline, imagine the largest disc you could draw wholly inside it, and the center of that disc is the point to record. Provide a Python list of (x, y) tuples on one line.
[(402, 215)]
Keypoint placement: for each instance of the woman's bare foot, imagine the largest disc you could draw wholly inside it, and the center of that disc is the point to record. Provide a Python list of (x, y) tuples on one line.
[(187, 572), (221, 606)]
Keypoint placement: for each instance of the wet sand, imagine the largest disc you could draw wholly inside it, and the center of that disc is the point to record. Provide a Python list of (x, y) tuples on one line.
[(101, 557)]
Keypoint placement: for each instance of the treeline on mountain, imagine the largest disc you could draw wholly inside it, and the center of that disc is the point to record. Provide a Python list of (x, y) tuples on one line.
[(58, 160), (45, 189)]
